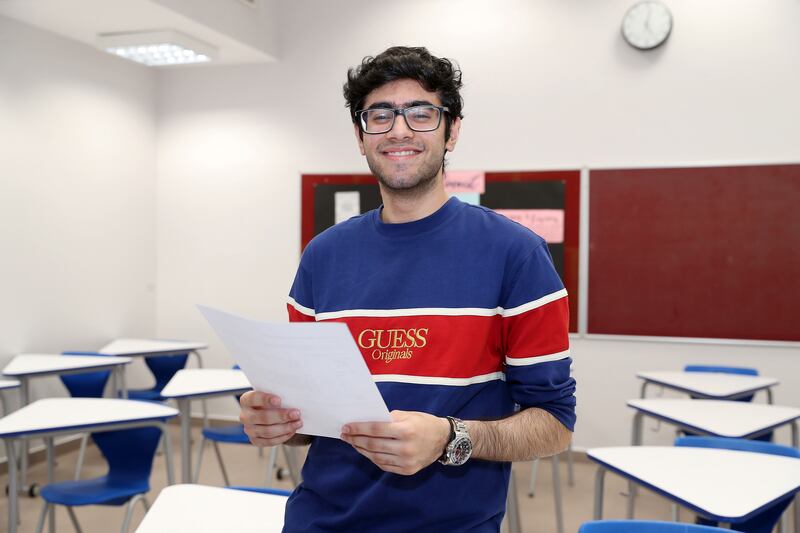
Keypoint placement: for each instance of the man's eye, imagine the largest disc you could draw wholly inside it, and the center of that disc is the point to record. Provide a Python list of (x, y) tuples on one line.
[(381, 116)]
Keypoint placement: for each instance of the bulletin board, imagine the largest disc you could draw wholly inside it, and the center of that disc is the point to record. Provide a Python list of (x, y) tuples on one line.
[(695, 252), (540, 190)]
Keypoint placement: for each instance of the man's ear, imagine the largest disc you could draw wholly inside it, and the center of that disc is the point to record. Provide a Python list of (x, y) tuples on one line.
[(359, 138), (455, 128)]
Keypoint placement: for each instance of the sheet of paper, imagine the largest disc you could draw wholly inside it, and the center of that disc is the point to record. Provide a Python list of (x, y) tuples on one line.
[(347, 204), (547, 223), (464, 181), (315, 367)]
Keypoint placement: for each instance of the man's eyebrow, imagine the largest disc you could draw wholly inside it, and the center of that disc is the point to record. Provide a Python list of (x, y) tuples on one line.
[(390, 105)]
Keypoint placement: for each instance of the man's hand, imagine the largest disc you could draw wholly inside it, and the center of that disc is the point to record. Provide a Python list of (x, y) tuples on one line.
[(265, 422), (404, 446)]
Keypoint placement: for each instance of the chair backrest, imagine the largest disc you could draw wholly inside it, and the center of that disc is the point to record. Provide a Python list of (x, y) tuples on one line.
[(164, 367), (724, 369), (643, 526), (86, 384), (129, 453), (741, 370), (743, 445), (262, 490)]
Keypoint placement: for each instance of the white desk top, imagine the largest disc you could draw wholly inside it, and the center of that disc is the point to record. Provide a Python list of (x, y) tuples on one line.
[(8, 384), (724, 484), (723, 418), (205, 381), (149, 347), (201, 509), (710, 384), (54, 414), (32, 364)]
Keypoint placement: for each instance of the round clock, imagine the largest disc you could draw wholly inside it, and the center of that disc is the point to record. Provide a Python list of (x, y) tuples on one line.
[(647, 24)]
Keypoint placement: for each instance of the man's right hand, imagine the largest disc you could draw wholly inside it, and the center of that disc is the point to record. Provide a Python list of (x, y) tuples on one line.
[(265, 422)]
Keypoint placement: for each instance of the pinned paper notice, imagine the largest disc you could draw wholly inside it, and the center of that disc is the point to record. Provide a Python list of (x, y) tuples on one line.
[(547, 223), (347, 204), (315, 367), (464, 181)]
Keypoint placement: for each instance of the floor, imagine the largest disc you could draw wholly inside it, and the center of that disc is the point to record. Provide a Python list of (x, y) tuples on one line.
[(537, 513)]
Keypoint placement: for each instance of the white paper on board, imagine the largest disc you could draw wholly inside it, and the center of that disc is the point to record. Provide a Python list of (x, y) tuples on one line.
[(315, 367), (347, 204)]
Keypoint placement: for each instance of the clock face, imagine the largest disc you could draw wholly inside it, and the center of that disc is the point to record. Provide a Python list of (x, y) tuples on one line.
[(461, 451), (647, 24)]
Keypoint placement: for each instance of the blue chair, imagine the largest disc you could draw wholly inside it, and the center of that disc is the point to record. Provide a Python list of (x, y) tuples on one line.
[(231, 434), (643, 526), (85, 385), (163, 368), (129, 453), (744, 371), (766, 520)]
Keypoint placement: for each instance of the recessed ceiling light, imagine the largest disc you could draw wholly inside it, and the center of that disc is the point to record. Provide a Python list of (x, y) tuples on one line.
[(157, 48)]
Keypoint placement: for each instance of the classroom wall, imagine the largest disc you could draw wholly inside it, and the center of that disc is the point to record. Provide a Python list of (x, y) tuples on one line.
[(77, 198), (548, 84)]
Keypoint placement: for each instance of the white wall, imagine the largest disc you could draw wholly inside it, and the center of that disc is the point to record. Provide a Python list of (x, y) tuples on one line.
[(548, 83), (77, 197)]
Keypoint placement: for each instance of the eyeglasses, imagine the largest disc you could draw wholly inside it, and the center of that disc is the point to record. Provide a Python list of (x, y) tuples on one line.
[(419, 118)]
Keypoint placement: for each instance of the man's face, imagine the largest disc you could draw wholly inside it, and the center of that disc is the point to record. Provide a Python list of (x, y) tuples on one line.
[(403, 159)]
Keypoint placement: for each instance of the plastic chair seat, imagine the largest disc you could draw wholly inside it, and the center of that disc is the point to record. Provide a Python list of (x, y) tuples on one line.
[(147, 395), (643, 526), (234, 434), (97, 491)]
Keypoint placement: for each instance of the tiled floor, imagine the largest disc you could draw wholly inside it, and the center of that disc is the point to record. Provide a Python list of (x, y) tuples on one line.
[(245, 467)]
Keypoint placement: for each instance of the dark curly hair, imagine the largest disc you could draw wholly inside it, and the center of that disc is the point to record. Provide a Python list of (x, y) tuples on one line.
[(437, 75)]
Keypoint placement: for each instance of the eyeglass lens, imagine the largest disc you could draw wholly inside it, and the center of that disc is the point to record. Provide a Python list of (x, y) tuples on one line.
[(418, 118)]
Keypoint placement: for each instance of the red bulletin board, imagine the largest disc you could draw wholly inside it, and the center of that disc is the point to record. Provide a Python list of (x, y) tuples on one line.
[(495, 182), (695, 252)]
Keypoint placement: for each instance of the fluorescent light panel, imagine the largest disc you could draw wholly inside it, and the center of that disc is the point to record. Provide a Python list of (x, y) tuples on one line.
[(157, 48)]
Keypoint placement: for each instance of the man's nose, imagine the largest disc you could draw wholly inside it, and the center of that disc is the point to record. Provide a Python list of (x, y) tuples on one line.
[(400, 129)]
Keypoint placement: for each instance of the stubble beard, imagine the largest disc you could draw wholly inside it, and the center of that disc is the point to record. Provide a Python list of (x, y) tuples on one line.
[(405, 185)]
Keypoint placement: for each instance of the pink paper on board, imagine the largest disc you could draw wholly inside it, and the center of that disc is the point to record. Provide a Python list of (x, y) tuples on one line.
[(464, 181), (547, 223)]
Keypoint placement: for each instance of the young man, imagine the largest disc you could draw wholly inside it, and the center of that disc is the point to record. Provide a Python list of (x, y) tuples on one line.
[(458, 312)]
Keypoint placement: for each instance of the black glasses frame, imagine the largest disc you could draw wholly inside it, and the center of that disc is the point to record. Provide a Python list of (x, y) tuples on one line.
[(399, 111)]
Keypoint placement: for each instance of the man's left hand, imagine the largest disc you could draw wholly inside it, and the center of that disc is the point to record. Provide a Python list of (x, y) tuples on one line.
[(409, 443)]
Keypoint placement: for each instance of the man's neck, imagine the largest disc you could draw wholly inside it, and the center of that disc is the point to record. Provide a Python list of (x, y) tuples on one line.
[(399, 208)]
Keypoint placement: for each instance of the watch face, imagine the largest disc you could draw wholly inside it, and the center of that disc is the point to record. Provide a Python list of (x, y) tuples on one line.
[(647, 24), (461, 451)]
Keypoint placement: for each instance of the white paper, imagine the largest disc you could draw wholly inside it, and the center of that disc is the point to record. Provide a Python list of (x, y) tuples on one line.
[(315, 367), (347, 204)]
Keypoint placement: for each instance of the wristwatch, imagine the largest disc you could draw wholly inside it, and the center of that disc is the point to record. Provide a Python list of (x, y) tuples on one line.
[(459, 449)]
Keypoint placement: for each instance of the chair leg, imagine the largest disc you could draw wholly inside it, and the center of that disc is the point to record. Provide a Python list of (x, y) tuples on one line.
[(74, 520), (534, 471), (42, 517), (196, 470), (221, 464), (129, 511), (273, 455), (81, 456)]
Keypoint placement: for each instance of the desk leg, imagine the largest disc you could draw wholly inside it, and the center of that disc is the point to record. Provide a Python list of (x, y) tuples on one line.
[(599, 478), (556, 462), (12, 485), (184, 406), (51, 519), (167, 453), (4, 412), (123, 388), (636, 440), (769, 395), (643, 389), (23, 459)]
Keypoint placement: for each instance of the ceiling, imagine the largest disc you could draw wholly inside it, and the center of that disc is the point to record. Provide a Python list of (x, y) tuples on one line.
[(233, 27)]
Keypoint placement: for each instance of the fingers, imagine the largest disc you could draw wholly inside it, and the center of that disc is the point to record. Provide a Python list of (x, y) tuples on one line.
[(264, 421), (388, 430), (256, 398)]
